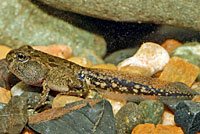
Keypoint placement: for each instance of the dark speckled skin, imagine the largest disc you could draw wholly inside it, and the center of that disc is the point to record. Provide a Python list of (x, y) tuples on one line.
[(40, 69)]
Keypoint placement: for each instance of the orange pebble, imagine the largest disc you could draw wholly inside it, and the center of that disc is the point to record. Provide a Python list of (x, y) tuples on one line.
[(61, 51), (170, 45), (196, 98), (3, 51), (196, 86), (5, 95), (146, 128), (157, 74), (105, 66), (81, 61), (161, 129), (26, 131), (178, 70)]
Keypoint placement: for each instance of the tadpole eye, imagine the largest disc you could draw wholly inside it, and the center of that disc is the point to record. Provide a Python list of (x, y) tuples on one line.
[(20, 56)]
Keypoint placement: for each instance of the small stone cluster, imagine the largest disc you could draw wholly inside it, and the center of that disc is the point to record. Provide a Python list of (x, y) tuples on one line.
[(166, 62)]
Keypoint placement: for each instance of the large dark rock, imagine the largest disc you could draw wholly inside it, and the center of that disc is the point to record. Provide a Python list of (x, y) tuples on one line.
[(181, 13), (187, 116), (82, 117)]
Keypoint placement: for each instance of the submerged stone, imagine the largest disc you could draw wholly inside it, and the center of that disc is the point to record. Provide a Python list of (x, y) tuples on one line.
[(150, 57), (120, 55), (179, 70), (129, 116), (158, 12), (152, 111), (14, 116), (187, 116), (26, 23), (82, 117), (189, 52)]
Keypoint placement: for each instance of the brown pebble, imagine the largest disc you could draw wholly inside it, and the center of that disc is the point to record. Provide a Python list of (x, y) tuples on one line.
[(81, 61), (179, 70), (3, 51), (5, 95), (62, 100), (146, 128), (159, 129), (170, 45), (61, 51)]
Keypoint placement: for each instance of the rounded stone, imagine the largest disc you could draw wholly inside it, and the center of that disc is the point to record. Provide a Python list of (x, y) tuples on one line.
[(129, 116), (150, 56), (152, 111)]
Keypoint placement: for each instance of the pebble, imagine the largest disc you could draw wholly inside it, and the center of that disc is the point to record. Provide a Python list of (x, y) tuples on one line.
[(196, 98), (161, 129), (152, 111), (146, 128), (179, 70), (61, 51), (3, 51), (26, 131), (189, 52), (158, 129), (196, 86), (120, 55), (168, 118), (89, 116), (5, 95), (91, 56), (172, 102), (129, 116), (116, 105), (187, 116), (105, 66), (150, 56), (2, 105), (170, 45), (16, 116), (22, 87), (80, 61), (157, 75), (61, 100)]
